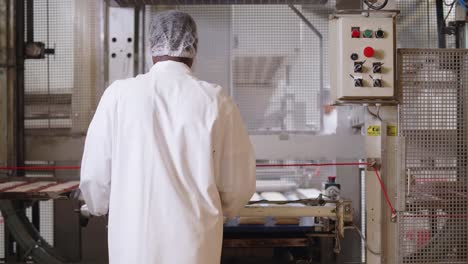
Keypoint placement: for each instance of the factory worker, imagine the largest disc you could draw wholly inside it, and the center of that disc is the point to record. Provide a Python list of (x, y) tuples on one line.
[(166, 155)]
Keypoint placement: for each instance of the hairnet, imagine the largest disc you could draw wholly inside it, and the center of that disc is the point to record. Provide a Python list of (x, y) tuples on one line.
[(173, 33)]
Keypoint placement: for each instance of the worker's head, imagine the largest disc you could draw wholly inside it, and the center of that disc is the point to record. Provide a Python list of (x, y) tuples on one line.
[(173, 36)]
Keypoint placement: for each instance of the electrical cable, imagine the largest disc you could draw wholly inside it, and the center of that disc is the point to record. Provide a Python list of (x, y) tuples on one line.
[(363, 238), (374, 6), (453, 2), (384, 191), (373, 114), (378, 112), (450, 11)]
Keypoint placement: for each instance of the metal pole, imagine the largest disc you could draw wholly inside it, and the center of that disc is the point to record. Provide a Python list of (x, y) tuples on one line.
[(136, 42), (321, 57), (30, 19), (440, 23), (19, 91)]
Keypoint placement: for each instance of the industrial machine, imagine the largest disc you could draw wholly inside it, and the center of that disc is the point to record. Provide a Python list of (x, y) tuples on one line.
[(356, 110)]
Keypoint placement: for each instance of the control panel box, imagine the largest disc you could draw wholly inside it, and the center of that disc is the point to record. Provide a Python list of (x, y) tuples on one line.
[(362, 56)]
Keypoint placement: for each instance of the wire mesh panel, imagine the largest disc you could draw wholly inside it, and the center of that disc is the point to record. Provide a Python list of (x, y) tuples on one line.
[(277, 66), (60, 90), (417, 23), (433, 119), (267, 58)]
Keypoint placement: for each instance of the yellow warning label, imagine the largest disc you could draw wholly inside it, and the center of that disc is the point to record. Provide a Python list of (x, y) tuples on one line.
[(373, 131), (392, 131)]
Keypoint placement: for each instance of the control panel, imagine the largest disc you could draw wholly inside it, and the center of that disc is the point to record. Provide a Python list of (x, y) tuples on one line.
[(362, 56)]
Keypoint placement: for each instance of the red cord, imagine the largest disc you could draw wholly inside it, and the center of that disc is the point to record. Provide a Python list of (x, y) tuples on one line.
[(382, 186), (258, 165), (312, 165)]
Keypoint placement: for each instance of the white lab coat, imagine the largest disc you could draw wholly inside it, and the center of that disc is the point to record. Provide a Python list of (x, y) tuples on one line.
[(166, 154)]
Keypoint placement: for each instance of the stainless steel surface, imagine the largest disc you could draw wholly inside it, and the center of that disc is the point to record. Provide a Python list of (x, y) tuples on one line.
[(121, 43), (464, 36), (305, 147), (289, 211), (433, 120)]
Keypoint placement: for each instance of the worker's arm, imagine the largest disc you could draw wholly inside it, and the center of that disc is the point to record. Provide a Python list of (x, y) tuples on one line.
[(237, 163), (96, 162)]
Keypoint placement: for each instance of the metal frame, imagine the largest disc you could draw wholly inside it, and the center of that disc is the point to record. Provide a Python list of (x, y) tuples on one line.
[(321, 60), (11, 130), (308, 147), (433, 117)]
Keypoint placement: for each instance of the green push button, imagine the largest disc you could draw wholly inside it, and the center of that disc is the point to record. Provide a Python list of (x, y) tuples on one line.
[(368, 33)]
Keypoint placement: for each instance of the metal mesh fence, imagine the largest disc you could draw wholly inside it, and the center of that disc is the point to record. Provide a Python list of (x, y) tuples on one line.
[(433, 119), (417, 24), (60, 90), (46, 221), (267, 58)]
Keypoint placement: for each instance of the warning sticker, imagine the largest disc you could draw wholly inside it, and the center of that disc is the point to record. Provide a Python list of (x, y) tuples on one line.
[(392, 131), (373, 131)]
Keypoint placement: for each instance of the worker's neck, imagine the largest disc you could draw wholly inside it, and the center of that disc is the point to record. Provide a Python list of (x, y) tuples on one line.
[(186, 61)]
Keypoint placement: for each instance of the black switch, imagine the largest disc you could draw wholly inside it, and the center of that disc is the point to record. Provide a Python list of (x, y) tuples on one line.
[(377, 82), (358, 65), (377, 67), (358, 82), (379, 34)]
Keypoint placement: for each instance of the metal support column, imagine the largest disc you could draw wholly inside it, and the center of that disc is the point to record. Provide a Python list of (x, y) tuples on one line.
[(440, 23), (374, 145)]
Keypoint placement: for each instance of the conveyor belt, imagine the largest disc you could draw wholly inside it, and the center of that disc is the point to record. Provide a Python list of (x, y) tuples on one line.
[(276, 236), (25, 188)]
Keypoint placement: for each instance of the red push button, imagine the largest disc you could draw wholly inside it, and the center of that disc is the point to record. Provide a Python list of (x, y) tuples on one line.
[(369, 52), (355, 33)]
